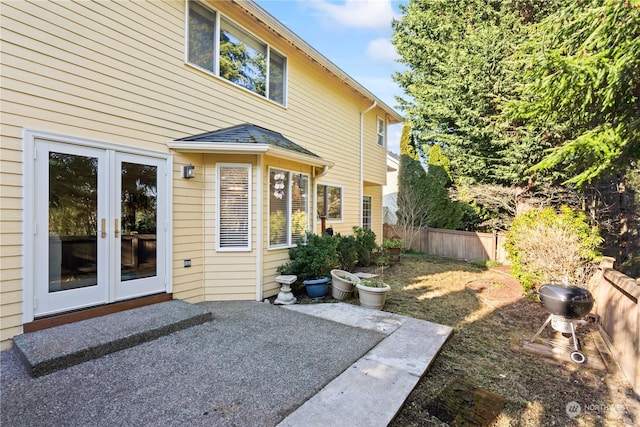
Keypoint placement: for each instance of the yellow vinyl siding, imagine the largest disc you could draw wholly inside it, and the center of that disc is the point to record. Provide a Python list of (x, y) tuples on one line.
[(188, 225), (233, 272), (10, 230), (114, 72)]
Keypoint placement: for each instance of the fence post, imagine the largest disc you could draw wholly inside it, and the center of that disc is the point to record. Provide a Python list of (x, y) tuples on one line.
[(494, 250)]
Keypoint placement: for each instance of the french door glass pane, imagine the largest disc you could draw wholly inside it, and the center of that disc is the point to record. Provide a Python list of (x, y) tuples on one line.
[(139, 197), (73, 221)]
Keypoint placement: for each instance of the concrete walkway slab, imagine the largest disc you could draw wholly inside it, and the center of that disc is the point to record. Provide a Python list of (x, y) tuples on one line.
[(353, 315), (372, 390)]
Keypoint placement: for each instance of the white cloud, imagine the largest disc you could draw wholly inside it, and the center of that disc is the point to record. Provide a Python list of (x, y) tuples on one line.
[(382, 50), (374, 14)]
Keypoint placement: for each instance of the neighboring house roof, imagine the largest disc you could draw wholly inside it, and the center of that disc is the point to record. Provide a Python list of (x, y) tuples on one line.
[(247, 138), (393, 161), (279, 28)]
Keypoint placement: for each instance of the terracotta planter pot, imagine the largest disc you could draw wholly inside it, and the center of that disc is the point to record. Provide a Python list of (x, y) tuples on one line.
[(342, 283), (372, 297)]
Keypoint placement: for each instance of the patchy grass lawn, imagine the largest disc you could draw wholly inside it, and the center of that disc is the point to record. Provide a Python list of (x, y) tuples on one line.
[(491, 318)]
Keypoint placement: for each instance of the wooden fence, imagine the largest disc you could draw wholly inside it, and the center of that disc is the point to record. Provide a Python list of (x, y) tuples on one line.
[(618, 305), (457, 244)]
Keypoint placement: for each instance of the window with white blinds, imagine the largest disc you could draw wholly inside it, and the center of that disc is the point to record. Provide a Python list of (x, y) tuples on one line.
[(288, 207), (234, 207)]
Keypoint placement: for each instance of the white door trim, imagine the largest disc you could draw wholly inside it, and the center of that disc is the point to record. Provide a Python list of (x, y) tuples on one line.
[(29, 138)]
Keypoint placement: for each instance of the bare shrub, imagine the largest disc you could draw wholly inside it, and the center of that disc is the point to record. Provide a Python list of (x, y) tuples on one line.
[(547, 246)]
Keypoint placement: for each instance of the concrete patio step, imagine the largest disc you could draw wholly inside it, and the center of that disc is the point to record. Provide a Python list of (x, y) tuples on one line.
[(60, 347)]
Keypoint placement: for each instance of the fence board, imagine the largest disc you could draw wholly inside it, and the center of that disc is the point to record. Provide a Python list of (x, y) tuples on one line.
[(458, 244), (618, 306)]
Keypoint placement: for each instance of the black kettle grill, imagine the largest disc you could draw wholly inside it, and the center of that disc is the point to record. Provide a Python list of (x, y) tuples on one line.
[(566, 304)]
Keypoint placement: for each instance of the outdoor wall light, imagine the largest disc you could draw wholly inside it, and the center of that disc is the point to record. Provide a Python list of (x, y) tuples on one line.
[(188, 171)]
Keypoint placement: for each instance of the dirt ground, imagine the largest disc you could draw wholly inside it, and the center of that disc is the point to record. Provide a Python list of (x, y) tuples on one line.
[(489, 373)]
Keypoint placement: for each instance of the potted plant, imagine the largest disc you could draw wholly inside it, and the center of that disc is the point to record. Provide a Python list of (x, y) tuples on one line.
[(393, 247), (342, 283), (372, 293), (312, 261)]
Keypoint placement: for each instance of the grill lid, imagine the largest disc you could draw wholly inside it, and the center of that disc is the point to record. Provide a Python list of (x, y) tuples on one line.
[(573, 302)]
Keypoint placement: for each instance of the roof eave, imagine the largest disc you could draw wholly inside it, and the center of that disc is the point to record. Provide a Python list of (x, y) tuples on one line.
[(299, 157), (247, 148), (216, 147)]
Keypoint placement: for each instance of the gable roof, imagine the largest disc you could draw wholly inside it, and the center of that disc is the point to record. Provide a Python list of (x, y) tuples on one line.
[(250, 139)]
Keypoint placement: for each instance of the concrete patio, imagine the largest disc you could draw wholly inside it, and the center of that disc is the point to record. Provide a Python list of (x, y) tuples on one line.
[(252, 364)]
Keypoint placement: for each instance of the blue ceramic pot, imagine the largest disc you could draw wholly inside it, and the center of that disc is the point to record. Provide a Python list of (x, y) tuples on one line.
[(317, 288)]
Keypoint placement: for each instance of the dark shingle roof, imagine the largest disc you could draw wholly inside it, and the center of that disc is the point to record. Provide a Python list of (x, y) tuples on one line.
[(248, 134)]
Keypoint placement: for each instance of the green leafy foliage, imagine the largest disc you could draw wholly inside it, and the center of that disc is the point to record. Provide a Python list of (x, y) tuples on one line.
[(544, 246), (347, 252), (391, 243), (365, 245), (312, 260), (580, 89), (458, 57), (373, 283)]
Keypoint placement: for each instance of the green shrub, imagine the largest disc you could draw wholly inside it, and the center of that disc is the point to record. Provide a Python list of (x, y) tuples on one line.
[(312, 260), (347, 251), (545, 246), (366, 245)]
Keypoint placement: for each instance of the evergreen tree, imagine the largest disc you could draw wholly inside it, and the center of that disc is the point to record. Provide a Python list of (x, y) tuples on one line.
[(407, 146), (581, 88), (443, 212), (457, 56)]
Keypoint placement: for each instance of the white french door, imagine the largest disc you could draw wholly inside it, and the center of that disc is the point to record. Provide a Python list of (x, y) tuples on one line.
[(100, 226)]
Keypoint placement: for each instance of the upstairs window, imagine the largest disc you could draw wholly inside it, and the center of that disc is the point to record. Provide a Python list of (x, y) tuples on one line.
[(382, 131), (219, 46)]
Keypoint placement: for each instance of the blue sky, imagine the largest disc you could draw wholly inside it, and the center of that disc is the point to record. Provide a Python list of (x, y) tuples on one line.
[(353, 34)]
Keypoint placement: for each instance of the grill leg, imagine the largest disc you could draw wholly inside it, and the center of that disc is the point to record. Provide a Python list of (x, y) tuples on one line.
[(542, 328), (576, 356), (575, 340)]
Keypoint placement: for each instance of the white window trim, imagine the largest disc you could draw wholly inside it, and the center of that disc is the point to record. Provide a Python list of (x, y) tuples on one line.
[(29, 137), (384, 131), (289, 243), (341, 187), (216, 59), (247, 248)]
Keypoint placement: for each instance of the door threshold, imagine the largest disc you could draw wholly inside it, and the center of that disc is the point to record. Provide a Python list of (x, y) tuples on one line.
[(88, 313)]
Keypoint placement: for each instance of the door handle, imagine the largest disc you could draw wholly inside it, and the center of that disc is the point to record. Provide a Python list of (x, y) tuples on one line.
[(117, 230), (103, 231)]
